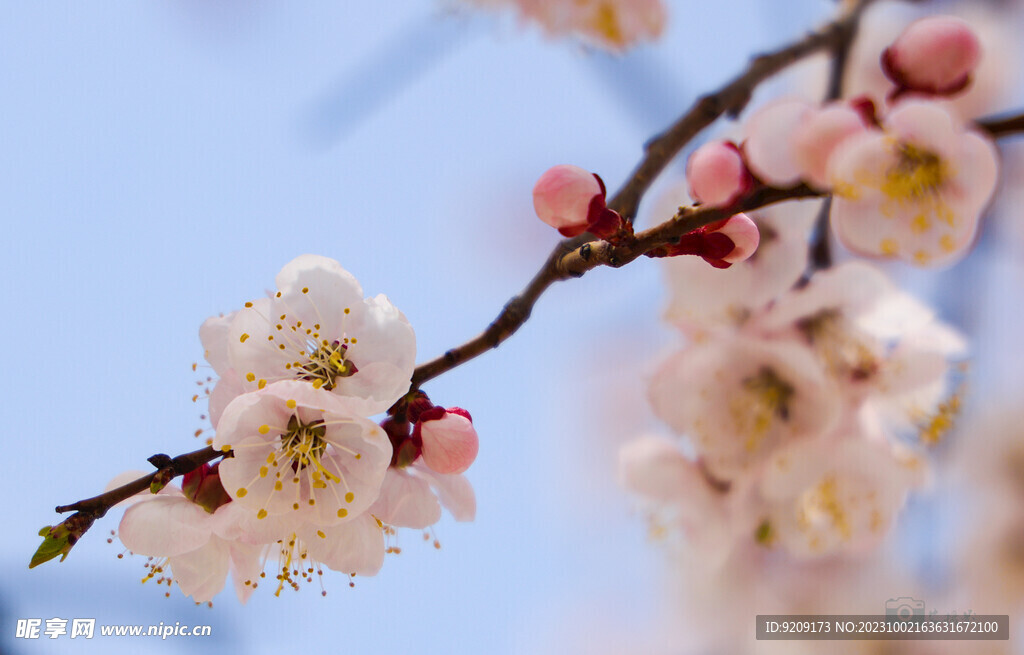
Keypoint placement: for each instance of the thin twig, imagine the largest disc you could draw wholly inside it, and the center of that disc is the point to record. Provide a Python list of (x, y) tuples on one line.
[(1002, 126), (730, 99), (97, 506)]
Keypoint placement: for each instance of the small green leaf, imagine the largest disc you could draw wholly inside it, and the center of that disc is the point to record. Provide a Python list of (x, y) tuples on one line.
[(55, 542)]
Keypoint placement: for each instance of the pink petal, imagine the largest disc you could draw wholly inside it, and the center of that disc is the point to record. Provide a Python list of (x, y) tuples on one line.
[(716, 174), (817, 138), (744, 235), (769, 144), (450, 444), (654, 467), (562, 197)]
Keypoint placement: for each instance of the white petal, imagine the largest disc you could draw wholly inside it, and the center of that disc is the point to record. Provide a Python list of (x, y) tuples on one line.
[(406, 501), (354, 547), (322, 274), (454, 491), (228, 387), (213, 334), (654, 467), (165, 526), (246, 565), (201, 573)]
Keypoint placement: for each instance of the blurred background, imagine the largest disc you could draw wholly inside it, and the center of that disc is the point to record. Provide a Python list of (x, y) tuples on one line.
[(159, 163)]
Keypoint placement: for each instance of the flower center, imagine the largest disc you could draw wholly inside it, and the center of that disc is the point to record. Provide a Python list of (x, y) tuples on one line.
[(303, 443), (767, 398), (326, 364), (844, 354), (821, 504), (916, 174)]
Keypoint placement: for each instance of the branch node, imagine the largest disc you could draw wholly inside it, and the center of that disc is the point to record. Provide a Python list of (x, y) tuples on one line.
[(161, 461)]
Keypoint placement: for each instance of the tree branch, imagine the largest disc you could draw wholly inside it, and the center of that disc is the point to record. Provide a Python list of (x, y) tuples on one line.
[(731, 100), (97, 506), (659, 151), (1002, 126)]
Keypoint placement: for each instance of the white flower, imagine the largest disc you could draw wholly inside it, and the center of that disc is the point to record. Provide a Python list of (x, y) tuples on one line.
[(198, 547), (704, 298), (319, 328), (740, 398), (829, 495), (914, 191), (680, 497), (299, 448)]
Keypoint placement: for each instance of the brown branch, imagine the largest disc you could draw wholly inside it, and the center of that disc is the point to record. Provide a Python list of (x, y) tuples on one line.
[(601, 253), (730, 99), (97, 506), (1002, 126)]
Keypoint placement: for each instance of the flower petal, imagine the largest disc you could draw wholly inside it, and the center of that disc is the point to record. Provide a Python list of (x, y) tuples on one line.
[(165, 526)]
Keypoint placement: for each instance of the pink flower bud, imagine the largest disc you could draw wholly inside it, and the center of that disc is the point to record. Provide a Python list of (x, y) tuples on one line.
[(450, 442), (563, 197), (744, 236), (717, 174), (721, 244), (203, 487), (935, 55)]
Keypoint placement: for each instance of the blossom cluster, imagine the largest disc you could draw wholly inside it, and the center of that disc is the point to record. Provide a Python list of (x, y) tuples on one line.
[(805, 399), (308, 479), (909, 178), (804, 409)]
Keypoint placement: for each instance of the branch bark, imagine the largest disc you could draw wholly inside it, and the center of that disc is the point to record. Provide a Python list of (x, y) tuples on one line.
[(97, 506)]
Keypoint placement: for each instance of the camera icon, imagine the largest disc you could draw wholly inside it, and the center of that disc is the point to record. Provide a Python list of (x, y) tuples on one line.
[(904, 607)]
